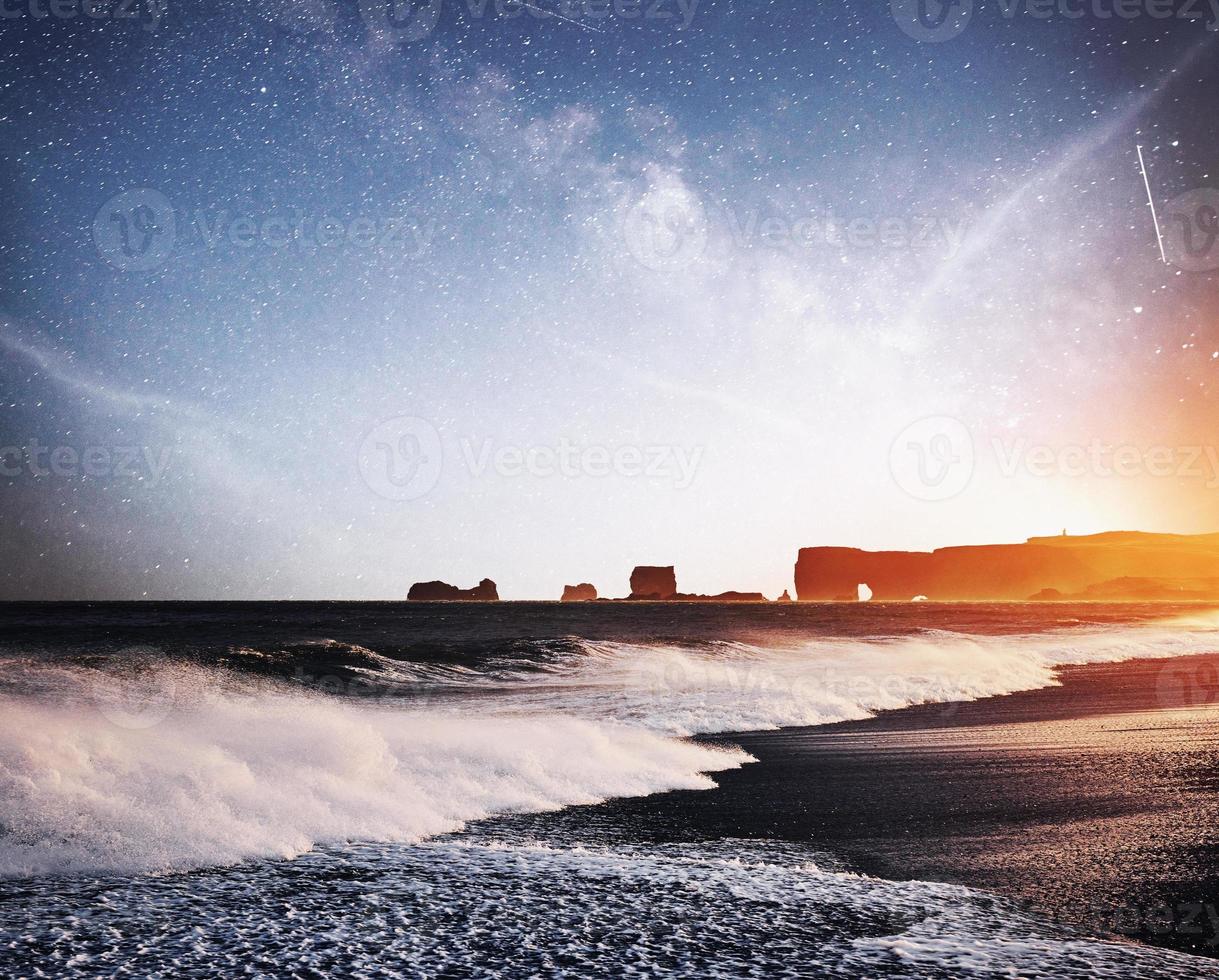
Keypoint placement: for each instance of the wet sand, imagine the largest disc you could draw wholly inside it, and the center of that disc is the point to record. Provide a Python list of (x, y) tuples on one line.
[(1096, 802)]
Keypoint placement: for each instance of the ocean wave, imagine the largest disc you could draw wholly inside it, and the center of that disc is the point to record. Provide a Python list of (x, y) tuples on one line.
[(733, 686), (143, 763), (175, 768)]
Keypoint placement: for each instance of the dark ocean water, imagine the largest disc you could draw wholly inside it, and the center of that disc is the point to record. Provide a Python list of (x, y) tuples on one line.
[(188, 789)]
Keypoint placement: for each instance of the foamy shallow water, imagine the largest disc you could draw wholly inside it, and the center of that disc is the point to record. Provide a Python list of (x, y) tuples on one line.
[(475, 906), (160, 764), (190, 812)]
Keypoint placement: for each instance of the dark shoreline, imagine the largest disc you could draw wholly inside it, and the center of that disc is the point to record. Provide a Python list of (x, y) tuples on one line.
[(1095, 803)]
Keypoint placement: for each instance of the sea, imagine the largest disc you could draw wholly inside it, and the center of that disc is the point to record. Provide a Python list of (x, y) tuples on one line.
[(322, 789)]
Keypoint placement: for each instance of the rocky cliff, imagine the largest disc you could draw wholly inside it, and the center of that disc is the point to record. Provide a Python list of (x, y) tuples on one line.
[(1138, 590), (659, 582), (1041, 567), (485, 591), (653, 582), (584, 592)]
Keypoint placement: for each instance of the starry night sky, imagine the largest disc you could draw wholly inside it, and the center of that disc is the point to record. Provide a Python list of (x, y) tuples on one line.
[(492, 178)]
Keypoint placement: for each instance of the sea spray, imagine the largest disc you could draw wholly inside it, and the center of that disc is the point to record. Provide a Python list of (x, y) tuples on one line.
[(139, 762), (273, 773)]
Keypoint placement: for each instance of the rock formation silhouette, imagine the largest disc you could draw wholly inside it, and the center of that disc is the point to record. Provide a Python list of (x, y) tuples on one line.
[(653, 582), (1116, 565), (485, 591)]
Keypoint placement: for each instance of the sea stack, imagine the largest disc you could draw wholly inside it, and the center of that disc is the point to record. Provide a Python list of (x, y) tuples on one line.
[(485, 591), (584, 592), (653, 582)]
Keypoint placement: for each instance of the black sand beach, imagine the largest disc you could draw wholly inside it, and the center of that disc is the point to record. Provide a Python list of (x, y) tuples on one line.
[(1094, 802)]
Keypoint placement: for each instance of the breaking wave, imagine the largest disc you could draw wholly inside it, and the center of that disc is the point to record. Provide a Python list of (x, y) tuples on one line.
[(156, 764), (732, 687), (172, 770)]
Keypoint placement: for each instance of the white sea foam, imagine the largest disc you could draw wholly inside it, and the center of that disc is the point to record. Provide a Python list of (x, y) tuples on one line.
[(174, 767), (516, 908), (228, 774), (728, 687)]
